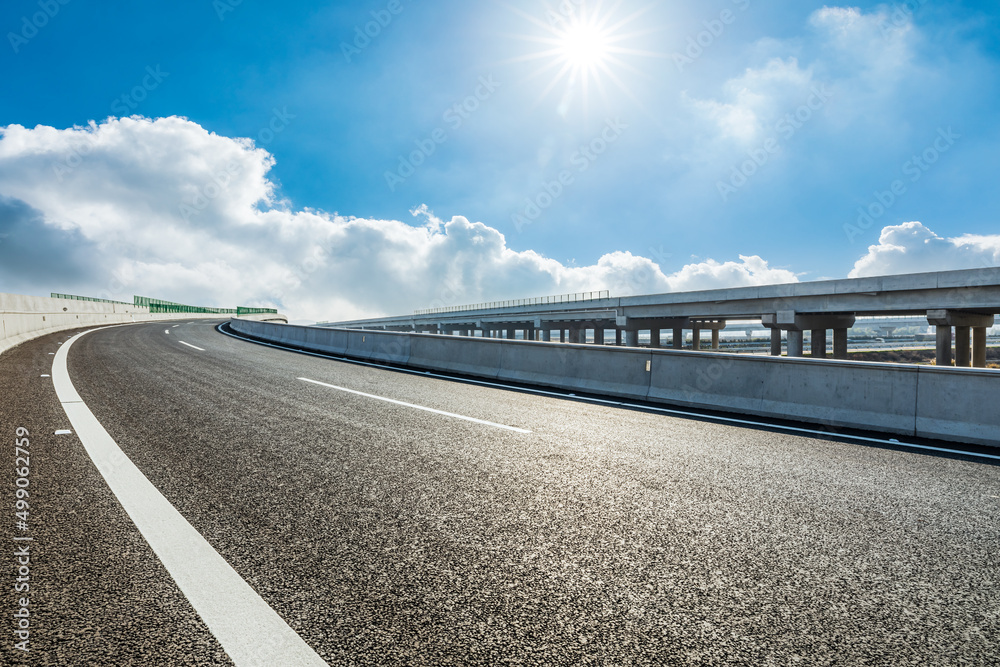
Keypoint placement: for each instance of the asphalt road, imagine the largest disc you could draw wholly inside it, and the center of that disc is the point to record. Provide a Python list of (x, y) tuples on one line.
[(386, 534)]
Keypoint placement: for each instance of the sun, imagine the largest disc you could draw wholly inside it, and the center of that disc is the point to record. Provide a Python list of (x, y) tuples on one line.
[(584, 48)]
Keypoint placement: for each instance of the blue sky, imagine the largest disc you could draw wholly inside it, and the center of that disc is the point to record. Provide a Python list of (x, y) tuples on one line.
[(726, 142)]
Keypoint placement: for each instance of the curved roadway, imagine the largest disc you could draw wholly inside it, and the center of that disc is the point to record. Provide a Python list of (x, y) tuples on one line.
[(463, 524)]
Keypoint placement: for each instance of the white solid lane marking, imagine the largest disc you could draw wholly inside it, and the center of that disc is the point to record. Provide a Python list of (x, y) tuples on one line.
[(64, 432), (418, 407), (46, 376), (247, 628), (190, 345)]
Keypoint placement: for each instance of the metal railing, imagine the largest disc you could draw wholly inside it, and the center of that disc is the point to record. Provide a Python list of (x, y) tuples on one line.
[(245, 310), (535, 301), (73, 297)]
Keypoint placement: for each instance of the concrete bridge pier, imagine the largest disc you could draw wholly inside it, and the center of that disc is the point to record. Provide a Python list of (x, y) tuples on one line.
[(654, 337), (979, 347), (715, 326), (796, 323), (970, 336), (599, 336), (818, 344), (678, 342)]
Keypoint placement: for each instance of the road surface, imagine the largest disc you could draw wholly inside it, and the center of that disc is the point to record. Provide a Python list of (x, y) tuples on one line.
[(456, 523)]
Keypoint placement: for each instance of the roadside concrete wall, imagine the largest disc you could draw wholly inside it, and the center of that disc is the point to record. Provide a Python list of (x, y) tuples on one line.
[(957, 404), (25, 317)]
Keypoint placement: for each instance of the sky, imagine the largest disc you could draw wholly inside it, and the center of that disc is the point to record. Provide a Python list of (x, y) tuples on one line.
[(340, 160)]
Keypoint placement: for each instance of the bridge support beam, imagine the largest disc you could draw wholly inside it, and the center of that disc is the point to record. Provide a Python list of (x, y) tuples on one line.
[(796, 323), (654, 337), (618, 337), (599, 336), (678, 339), (970, 336), (632, 338), (714, 325)]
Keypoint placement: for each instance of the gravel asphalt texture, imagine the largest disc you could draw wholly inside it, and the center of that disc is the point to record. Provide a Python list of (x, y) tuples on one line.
[(388, 535)]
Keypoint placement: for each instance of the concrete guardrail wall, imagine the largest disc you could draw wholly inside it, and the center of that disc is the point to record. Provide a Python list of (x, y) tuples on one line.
[(959, 404), (25, 317)]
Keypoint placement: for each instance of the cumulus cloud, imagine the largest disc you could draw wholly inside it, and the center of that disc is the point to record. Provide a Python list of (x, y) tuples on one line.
[(854, 57), (913, 248), (165, 208)]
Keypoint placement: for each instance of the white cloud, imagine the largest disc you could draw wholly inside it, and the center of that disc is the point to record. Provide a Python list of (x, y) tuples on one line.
[(858, 57), (913, 248), (167, 209)]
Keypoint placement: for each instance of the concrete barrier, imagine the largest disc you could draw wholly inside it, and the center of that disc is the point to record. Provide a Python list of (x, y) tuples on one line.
[(612, 371), (23, 318), (943, 403), (834, 393), (379, 346), (959, 404), (468, 356)]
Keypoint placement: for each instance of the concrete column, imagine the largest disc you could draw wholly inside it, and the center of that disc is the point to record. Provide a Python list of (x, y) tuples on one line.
[(618, 337), (562, 335), (840, 343), (963, 347), (529, 333), (632, 338), (547, 335), (979, 347), (654, 338), (795, 343), (715, 339), (511, 334), (599, 336), (678, 339), (775, 342), (818, 343), (943, 345), (578, 336), (696, 339)]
